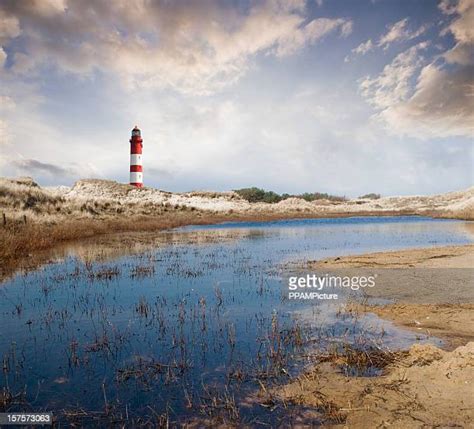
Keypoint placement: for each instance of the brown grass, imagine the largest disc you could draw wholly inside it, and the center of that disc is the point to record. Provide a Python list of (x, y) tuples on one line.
[(351, 359), (18, 240)]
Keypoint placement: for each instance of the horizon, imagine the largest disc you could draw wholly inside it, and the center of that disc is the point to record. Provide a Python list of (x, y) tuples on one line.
[(346, 98)]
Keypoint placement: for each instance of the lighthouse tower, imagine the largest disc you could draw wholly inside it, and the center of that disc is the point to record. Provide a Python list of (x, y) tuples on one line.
[(136, 168)]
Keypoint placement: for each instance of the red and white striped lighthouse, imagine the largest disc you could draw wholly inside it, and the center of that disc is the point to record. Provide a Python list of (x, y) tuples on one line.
[(136, 167)]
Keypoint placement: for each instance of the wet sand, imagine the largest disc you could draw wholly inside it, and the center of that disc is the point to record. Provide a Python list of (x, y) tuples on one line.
[(424, 386), (435, 257), (432, 289)]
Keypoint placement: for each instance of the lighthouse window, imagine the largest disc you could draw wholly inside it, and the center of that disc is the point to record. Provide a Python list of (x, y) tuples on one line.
[(135, 133)]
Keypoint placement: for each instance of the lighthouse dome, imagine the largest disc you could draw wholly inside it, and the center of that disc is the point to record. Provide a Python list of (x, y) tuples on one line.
[(136, 132)]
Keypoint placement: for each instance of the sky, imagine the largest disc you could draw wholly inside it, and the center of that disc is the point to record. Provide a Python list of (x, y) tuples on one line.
[(338, 96)]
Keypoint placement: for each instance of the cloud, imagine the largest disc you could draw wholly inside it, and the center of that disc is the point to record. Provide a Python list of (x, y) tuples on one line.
[(398, 32), (3, 57), (448, 7), (34, 167), (462, 29), (250, 143), (441, 106), (9, 27), (310, 33), (363, 48), (195, 47), (6, 103), (393, 84), (441, 103)]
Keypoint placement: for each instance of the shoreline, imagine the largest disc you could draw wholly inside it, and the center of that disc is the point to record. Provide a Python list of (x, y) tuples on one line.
[(432, 289), (424, 386)]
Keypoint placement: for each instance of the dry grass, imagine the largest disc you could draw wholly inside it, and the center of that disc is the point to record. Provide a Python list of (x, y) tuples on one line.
[(24, 195), (33, 218), (19, 239), (356, 361)]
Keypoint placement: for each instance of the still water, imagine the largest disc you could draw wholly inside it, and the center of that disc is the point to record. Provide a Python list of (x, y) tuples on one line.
[(190, 322)]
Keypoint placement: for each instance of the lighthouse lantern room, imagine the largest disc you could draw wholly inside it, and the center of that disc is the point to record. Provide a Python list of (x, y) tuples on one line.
[(136, 167)]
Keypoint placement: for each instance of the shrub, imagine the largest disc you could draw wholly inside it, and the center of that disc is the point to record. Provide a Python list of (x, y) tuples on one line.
[(371, 196), (255, 195), (321, 196)]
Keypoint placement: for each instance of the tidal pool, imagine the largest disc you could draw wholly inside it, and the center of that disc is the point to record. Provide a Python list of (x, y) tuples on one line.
[(189, 327)]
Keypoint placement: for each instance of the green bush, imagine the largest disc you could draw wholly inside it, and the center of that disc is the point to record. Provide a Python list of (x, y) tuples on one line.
[(255, 195), (321, 196)]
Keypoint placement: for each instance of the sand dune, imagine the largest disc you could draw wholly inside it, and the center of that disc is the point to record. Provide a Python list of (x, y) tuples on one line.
[(99, 197), (454, 204)]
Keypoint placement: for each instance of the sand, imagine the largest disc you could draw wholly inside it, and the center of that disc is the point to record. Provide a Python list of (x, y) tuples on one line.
[(432, 289), (425, 386), (435, 257)]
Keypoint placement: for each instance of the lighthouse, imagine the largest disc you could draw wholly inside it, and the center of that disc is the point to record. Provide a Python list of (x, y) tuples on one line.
[(136, 168)]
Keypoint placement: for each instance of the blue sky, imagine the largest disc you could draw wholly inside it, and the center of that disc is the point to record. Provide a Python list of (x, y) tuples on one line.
[(347, 97)]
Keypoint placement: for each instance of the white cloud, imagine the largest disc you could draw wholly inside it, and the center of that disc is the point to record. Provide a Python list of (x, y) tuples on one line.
[(441, 103), (393, 84), (9, 27), (3, 57), (192, 47), (311, 33), (462, 29), (441, 106), (6, 103), (448, 7), (250, 144), (398, 32), (363, 48)]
